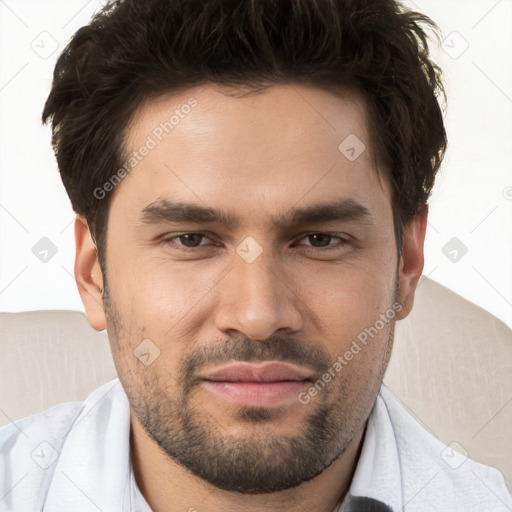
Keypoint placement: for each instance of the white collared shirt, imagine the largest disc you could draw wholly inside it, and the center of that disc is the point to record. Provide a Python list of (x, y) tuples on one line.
[(76, 457)]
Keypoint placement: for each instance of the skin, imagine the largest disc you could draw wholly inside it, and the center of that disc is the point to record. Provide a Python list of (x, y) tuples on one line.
[(254, 157)]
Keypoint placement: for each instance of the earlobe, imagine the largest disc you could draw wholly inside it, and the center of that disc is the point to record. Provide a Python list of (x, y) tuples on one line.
[(411, 262), (88, 275)]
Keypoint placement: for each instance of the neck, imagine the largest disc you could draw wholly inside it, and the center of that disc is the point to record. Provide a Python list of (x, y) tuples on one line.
[(169, 487)]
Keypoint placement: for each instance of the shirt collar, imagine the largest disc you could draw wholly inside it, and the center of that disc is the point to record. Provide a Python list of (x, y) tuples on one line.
[(97, 445), (376, 485)]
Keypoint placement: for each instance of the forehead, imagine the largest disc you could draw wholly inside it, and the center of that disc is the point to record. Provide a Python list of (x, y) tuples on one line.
[(266, 151)]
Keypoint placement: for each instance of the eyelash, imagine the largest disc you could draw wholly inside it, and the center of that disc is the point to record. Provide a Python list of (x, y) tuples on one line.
[(342, 241)]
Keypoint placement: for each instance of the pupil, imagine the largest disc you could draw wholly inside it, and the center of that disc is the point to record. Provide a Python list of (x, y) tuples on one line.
[(320, 240), (191, 239)]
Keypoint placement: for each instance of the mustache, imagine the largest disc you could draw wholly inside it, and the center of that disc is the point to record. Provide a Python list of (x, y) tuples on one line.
[(284, 349)]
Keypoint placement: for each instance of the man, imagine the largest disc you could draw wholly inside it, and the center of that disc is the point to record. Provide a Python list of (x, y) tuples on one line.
[(251, 182)]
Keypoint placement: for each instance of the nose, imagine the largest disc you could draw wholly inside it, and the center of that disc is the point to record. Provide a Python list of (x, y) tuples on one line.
[(257, 301)]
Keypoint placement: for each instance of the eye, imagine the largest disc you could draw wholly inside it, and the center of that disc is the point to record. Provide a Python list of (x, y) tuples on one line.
[(189, 240), (319, 240)]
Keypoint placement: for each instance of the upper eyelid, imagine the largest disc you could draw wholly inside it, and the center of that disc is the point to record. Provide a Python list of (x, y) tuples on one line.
[(326, 233), (297, 237), (334, 235), (170, 236), (343, 239)]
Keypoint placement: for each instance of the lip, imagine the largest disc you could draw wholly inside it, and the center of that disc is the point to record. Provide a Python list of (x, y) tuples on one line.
[(267, 371), (257, 385)]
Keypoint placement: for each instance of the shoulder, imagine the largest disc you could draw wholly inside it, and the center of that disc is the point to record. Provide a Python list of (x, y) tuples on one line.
[(31, 447), (434, 474)]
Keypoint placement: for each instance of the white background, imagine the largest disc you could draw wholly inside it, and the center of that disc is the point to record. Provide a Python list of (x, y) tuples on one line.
[(472, 199)]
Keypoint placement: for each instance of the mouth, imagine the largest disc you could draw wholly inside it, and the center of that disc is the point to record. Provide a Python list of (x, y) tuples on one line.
[(257, 385)]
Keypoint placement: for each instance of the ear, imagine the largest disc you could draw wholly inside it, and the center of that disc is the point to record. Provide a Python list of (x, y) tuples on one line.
[(88, 275), (411, 262)]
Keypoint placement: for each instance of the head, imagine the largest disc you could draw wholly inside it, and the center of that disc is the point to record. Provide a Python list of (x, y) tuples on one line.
[(251, 182)]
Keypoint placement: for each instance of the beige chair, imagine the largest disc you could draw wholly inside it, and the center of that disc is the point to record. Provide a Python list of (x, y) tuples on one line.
[(451, 367)]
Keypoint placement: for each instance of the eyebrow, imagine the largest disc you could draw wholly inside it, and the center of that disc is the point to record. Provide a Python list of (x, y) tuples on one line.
[(343, 210), (164, 210)]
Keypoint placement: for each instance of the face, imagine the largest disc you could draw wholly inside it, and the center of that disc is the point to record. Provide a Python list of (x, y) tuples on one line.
[(252, 281)]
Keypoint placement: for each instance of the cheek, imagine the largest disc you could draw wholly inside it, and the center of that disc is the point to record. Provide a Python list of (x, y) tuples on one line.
[(144, 283), (356, 319), (162, 300), (175, 289), (346, 298)]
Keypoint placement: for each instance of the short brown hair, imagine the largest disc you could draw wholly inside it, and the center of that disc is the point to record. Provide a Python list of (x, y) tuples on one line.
[(138, 49)]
